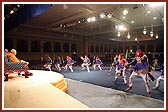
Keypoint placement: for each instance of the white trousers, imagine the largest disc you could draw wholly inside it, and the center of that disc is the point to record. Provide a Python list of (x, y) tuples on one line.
[(70, 67), (87, 66), (158, 80), (144, 77), (118, 72), (48, 66), (58, 66), (94, 66)]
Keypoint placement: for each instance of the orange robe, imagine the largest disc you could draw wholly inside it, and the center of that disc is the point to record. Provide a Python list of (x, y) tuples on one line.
[(13, 57)]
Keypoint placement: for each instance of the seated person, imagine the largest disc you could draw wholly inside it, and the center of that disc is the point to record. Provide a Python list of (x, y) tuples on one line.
[(13, 58)]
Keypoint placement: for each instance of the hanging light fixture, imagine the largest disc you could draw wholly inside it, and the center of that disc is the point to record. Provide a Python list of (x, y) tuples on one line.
[(125, 12), (156, 36), (151, 33), (118, 34), (144, 30), (128, 36)]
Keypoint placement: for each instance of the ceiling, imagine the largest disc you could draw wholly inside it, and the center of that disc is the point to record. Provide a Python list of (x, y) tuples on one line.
[(72, 19)]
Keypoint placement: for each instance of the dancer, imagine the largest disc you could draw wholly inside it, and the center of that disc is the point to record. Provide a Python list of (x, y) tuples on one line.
[(69, 63), (114, 61), (161, 77), (94, 60), (155, 63), (86, 62), (98, 63), (141, 68), (58, 62), (48, 62), (120, 68)]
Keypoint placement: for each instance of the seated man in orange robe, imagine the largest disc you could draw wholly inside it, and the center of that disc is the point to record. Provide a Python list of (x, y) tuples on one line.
[(13, 58)]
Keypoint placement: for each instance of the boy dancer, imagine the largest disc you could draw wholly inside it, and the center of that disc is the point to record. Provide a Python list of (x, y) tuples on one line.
[(86, 62), (141, 68)]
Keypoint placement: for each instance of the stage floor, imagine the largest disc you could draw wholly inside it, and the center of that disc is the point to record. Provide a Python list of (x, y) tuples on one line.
[(105, 78)]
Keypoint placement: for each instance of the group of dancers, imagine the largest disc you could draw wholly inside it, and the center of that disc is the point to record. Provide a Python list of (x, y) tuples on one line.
[(69, 63), (140, 63), (141, 68)]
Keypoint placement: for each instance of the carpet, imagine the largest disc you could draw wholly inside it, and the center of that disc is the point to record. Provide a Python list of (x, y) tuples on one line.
[(105, 78)]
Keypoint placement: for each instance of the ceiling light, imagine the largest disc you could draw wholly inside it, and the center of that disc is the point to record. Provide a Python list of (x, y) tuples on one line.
[(151, 33), (125, 29), (60, 25), (11, 12), (102, 15), (162, 19), (154, 18), (125, 12), (149, 12), (132, 22), (156, 36), (136, 39), (93, 19), (89, 20), (79, 22), (121, 27), (123, 17), (144, 30), (118, 34), (128, 36)]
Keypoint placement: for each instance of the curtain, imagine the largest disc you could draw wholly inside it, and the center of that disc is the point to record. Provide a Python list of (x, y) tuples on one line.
[(25, 13)]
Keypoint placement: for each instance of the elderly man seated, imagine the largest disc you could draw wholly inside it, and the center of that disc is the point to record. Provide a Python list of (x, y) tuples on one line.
[(13, 58)]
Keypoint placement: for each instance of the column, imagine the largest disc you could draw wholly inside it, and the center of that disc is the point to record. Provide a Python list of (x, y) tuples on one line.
[(29, 45), (41, 42), (85, 46)]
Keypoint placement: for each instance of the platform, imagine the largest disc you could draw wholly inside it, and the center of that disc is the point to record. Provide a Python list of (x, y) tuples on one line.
[(45, 89)]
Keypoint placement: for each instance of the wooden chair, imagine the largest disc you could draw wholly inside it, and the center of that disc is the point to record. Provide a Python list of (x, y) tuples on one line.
[(11, 67)]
